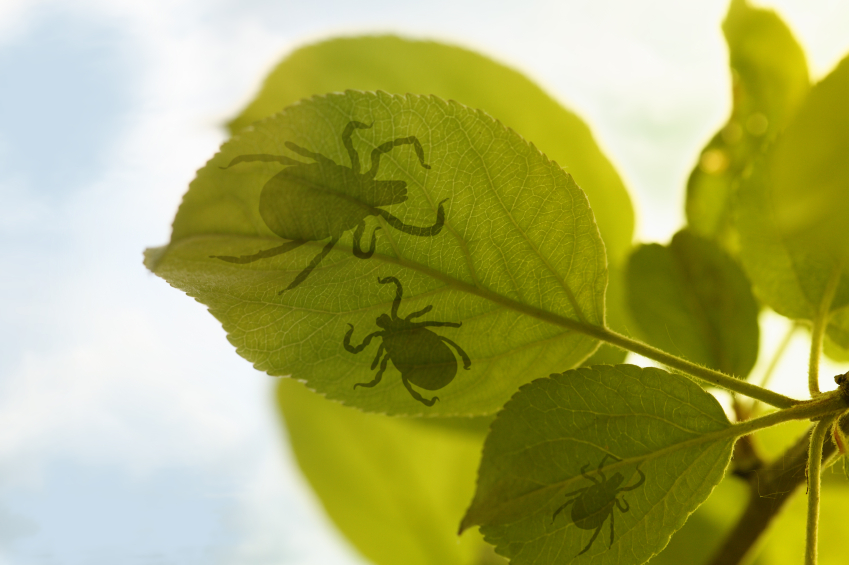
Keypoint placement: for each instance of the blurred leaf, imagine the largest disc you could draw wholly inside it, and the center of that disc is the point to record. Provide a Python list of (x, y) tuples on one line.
[(519, 262), (395, 487), (786, 274), (400, 66), (617, 319), (784, 541), (632, 421), (692, 299), (770, 79), (809, 169)]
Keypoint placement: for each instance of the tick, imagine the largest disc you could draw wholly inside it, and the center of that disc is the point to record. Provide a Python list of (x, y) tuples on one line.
[(593, 504), (421, 356), (314, 201)]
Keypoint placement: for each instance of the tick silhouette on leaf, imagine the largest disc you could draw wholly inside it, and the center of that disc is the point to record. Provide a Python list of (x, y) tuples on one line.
[(593, 504), (420, 355), (314, 201)]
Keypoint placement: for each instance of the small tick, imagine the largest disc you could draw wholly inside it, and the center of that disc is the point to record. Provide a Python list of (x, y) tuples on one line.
[(314, 201), (593, 504), (419, 354)]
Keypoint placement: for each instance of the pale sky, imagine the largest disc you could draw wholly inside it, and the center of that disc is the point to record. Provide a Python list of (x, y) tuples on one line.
[(130, 431)]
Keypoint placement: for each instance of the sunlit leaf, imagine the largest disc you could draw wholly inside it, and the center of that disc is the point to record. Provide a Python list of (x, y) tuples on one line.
[(691, 299), (770, 79), (394, 486), (786, 274), (400, 66), (517, 259), (809, 169), (549, 441)]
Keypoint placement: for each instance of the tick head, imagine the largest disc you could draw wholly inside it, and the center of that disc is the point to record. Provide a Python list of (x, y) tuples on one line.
[(615, 480), (384, 321)]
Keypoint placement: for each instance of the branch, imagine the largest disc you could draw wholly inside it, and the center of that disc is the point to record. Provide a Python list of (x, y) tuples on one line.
[(771, 487)]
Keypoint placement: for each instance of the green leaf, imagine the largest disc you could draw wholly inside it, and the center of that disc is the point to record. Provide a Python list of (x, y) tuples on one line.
[(836, 344), (632, 420), (770, 79), (394, 486), (518, 262), (809, 168), (691, 299), (399, 66), (786, 274)]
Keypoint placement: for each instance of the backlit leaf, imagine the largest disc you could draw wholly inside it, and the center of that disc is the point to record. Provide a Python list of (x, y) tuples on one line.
[(394, 486), (400, 66), (809, 169), (518, 260), (770, 79), (632, 420), (691, 299)]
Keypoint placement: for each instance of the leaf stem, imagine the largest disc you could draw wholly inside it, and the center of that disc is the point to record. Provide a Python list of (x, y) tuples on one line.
[(826, 405), (814, 482), (820, 323), (703, 373)]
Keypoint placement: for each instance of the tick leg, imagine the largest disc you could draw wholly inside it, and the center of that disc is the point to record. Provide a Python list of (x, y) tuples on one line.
[(438, 324), (307, 153), (288, 246), (467, 363), (399, 292), (592, 539), (349, 145), (283, 160), (347, 341), (638, 483), (377, 357), (625, 502), (416, 395), (573, 493), (358, 234), (588, 477), (416, 230), (313, 264), (378, 376), (611, 530), (388, 146), (421, 312)]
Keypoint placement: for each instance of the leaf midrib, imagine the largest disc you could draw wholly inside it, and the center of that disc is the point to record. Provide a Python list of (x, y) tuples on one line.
[(586, 328)]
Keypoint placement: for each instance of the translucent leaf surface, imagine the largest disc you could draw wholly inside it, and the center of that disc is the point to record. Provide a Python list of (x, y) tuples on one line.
[(691, 299), (516, 266), (394, 486), (400, 66), (788, 275), (809, 169), (546, 448), (770, 79)]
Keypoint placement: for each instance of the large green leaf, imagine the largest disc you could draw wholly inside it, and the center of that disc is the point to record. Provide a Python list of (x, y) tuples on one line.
[(519, 261), (400, 66), (394, 486), (788, 275), (770, 79), (809, 168), (553, 435), (690, 298)]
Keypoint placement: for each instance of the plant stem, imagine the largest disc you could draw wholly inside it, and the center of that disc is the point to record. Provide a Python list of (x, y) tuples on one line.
[(776, 357), (769, 487), (820, 323), (814, 482), (602, 333), (703, 373), (826, 405)]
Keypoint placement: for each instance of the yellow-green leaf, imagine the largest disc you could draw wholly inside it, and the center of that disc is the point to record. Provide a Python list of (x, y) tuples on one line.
[(513, 273)]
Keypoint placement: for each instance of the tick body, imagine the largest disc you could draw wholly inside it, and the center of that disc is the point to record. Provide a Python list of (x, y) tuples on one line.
[(422, 357), (592, 505), (320, 200)]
